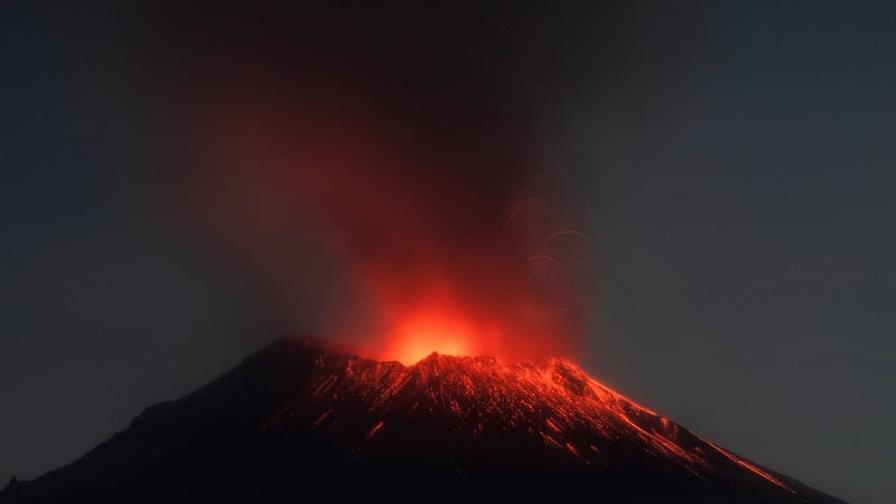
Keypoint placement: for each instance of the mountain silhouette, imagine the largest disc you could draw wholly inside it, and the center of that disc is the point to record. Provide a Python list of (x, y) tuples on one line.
[(303, 419)]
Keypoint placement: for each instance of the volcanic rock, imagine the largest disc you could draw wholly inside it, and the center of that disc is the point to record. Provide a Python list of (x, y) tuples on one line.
[(300, 419)]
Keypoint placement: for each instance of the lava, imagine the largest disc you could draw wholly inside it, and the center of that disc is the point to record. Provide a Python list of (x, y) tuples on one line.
[(570, 414), (304, 417)]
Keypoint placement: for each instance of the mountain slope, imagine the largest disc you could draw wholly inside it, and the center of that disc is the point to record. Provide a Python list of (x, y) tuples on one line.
[(299, 418)]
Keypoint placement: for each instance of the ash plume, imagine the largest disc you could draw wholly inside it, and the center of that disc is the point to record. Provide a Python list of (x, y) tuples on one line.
[(401, 149)]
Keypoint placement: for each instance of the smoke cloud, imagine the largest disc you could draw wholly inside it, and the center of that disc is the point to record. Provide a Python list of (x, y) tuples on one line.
[(400, 150)]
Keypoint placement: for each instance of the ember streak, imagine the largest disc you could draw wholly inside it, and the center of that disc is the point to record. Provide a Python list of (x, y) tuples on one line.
[(553, 400), (302, 416)]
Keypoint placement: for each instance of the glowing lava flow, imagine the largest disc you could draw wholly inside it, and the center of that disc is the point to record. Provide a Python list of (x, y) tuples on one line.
[(303, 417), (553, 404)]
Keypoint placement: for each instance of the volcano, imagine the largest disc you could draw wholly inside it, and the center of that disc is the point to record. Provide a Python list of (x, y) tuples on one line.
[(302, 419)]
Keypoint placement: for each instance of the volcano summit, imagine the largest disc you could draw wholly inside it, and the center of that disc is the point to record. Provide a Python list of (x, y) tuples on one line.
[(301, 419)]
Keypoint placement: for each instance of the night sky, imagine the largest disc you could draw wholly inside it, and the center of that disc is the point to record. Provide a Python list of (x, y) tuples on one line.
[(731, 166)]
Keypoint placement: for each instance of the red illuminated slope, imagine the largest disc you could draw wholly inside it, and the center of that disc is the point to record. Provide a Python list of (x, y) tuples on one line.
[(299, 416), (555, 402)]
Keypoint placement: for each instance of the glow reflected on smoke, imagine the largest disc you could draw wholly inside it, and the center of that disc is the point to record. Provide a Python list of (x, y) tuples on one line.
[(424, 334)]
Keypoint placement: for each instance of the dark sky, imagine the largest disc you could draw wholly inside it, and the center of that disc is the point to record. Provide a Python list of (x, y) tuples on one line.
[(732, 164)]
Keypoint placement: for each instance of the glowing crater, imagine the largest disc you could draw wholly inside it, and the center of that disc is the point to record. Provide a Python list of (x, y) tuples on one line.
[(420, 336)]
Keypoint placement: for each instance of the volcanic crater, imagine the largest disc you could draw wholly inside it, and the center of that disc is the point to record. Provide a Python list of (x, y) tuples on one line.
[(302, 417)]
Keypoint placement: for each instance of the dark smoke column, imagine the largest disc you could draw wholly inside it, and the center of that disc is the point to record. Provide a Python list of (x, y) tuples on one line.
[(402, 147)]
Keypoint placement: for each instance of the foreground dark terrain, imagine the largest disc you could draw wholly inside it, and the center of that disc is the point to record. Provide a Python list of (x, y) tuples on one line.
[(301, 419)]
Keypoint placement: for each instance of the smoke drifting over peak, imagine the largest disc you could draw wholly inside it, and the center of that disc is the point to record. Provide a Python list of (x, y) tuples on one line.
[(402, 149)]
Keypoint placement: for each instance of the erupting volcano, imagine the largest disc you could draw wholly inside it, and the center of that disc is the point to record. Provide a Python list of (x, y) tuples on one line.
[(302, 418)]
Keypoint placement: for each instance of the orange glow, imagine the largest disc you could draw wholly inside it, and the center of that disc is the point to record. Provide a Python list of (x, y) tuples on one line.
[(554, 401), (748, 466), (422, 335), (408, 238)]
